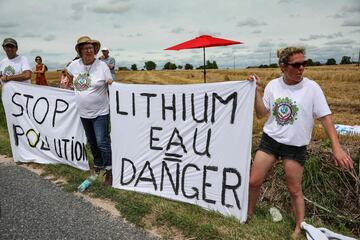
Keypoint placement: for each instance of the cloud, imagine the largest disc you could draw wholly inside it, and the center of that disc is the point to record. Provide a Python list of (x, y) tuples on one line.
[(9, 25), (351, 23), (78, 10), (29, 35), (322, 36), (285, 1), (112, 7), (208, 32), (49, 38), (341, 42), (347, 11), (265, 44), (177, 30), (117, 26), (134, 35), (356, 31), (36, 52), (251, 22), (351, 9), (256, 31)]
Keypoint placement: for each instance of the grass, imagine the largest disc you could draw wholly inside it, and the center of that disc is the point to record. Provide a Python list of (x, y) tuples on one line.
[(335, 191)]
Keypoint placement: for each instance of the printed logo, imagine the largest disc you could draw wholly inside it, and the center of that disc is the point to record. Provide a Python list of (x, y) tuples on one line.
[(285, 111), (82, 82), (9, 71)]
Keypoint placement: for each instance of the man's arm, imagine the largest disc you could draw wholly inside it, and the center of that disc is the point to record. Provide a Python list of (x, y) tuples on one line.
[(25, 75), (342, 159)]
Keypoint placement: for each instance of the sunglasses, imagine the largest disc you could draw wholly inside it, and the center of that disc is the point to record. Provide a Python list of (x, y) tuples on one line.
[(298, 64)]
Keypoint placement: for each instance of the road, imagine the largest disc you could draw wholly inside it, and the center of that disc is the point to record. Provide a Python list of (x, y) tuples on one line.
[(34, 208)]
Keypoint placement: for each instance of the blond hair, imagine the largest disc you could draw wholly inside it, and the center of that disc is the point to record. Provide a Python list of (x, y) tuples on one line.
[(284, 54)]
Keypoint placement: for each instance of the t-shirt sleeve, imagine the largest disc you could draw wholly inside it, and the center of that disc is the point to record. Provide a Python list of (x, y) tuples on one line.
[(25, 66), (266, 97), (320, 107), (70, 68), (107, 73)]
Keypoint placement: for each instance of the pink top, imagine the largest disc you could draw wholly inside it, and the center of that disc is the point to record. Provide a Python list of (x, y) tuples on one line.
[(64, 82)]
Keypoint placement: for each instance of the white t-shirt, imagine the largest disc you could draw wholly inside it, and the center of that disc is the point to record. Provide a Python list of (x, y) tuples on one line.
[(15, 66), (292, 110), (91, 90)]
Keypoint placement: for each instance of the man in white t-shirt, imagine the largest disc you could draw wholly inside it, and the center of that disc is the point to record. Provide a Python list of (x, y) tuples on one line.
[(14, 67), (291, 102)]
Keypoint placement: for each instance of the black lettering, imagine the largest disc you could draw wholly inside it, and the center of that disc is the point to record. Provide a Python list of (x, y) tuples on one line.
[(123, 160), (65, 141), (45, 144), (78, 151), (171, 108), (148, 96), (206, 151), (21, 107), (58, 110), (232, 97), (231, 187), (152, 138), (46, 112), (175, 186), (180, 143), (133, 104), (205, 109), (17, 134), (59, 153), (183, 106), (145, 179), (206, 184), (27, 102), (118, 105), (196, 191)]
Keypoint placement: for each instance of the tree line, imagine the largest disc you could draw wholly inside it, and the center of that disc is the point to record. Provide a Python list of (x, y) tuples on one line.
[(151, 65)]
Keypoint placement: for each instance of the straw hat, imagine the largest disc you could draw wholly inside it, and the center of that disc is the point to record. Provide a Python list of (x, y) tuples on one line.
[(86, 39)]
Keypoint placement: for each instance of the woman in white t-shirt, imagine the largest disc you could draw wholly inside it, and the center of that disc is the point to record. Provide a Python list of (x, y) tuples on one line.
[(291, 103), (90, 78)]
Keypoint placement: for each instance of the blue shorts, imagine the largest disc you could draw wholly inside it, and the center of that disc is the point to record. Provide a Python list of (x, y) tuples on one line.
[(282, 151)]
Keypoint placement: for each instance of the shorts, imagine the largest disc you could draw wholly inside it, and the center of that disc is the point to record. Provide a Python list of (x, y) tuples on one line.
[(282, 151)]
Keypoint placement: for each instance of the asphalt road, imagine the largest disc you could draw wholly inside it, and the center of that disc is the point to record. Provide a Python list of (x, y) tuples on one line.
[(34, 208)]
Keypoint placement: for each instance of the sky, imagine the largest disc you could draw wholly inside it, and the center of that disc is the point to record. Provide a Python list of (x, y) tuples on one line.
[(136, 31)]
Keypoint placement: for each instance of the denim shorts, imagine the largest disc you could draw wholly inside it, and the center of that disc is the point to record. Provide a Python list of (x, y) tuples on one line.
[(282, 151)]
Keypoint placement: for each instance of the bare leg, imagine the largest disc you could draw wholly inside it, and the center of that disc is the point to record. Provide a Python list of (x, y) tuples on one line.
[(260, 167), (294, 172)]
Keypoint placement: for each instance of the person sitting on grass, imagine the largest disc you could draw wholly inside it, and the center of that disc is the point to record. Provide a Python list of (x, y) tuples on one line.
[(291, 103)]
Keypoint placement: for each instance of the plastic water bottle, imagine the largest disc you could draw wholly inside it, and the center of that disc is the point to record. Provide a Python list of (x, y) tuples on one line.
[(275, 214), (87, 182)]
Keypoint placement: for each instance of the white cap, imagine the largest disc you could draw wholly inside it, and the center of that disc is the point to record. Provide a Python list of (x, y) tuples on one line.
[(104, 49)]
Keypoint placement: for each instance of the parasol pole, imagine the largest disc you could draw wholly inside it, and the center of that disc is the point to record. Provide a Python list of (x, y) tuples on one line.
[(204, 67)]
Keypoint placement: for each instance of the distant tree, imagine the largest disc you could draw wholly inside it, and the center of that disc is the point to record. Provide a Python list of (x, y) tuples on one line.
[(134, 67), (310, 62), (317, 64), (180, 67), (345, 60), (188, 66), (169, 66), (209, 65), (150, 65), (123, 69), (263, 66), (331, 61), (273, 65)]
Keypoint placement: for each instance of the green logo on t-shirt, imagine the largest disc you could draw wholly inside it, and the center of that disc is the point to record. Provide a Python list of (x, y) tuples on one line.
[(82, 82), (285, 111), (9, 71)]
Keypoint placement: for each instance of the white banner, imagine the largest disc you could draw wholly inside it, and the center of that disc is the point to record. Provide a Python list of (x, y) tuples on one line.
[(44, 125), (189, 143)]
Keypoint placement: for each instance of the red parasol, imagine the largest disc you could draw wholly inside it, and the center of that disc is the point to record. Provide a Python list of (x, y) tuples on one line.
[(203, 41)]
